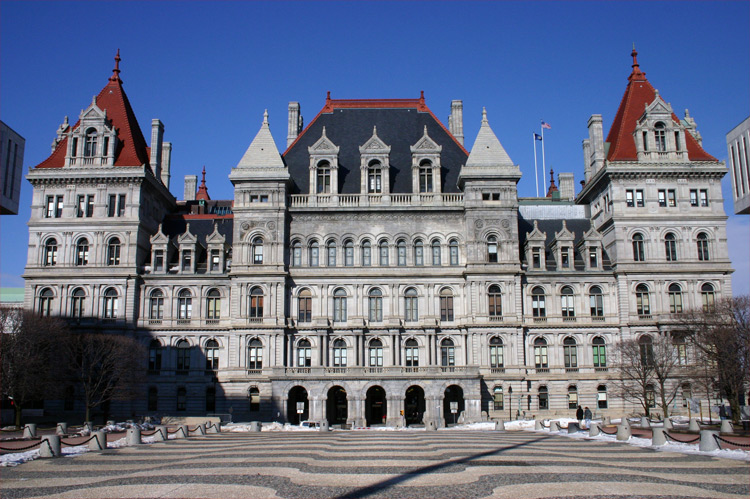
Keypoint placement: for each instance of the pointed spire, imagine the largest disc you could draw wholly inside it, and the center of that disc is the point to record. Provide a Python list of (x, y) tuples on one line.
[(552, 186), (265, 117), (202, 194), (636, 67), (421, 96), (116, 72), (484, 116), (262, 152), (487, 151)]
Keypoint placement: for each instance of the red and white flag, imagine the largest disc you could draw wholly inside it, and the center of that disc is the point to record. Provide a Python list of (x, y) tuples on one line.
[(546, 125)]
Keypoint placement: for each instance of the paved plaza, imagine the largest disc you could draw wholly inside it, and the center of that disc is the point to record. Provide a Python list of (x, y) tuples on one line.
[(359, 464)]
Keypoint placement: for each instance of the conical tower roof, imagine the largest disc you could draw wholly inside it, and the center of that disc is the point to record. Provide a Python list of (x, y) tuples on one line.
[(487, 150), (262, 152)]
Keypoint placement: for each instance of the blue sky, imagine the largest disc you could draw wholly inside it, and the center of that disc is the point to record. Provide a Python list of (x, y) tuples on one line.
[(208, 71)]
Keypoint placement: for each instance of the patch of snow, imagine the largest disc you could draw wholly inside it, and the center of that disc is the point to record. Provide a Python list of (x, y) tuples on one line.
[(18, 457)]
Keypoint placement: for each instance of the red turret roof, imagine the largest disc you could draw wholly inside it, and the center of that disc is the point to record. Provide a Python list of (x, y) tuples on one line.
[(132, 149), (638, 94), (203, 190)]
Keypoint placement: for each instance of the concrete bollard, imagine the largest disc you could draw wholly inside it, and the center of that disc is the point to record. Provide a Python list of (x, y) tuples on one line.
[(668, 424), (201, 429), (538, 425), (88, 425), (594, 430), (500, 425), (134, 436), (324, 426), (623, 432), (161, 434), (182, 431), (51, 450), (645, 423), (708, 442), (606, 421), (726, 426), (62, 429), (658, 437), (624, 421), (694, 426), (554, 426), (573, 427), (255, 426), (430, 426), (98, 440), (29, 430)]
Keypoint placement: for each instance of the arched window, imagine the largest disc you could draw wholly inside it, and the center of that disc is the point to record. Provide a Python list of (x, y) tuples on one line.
[(349, 253), (154, 355), (600, 352), (495, 302), (77, 303), (257, 250), (670, 247), (111, 300), (50, 252), (213, 305), (374, 178), (383, 250), (596, 301), (82, 252), (646, 346), (572, 397), (375, 305), (212, 355), (401, 252), (185, 305), (675, 299), (411, 349), (446, 304), (447, 353), (304, 351), (418, 253), (453, 248), (702, 244), (366, 253), (497, 398), (181, 399), (156, 305), (89, 150), (313, 254), (425, 176), (660, 138), (642, 300), (339, 305), (183, 355), (324, 178), (436, 261), (45, 302), (492, 249), (254, 395), (304, 306), (339, 353), (255, 310), (411, 306), (543, 398), (601, 397), (496, 352), (113, 251), (638, 253), (376, 353), (153, 398), (567, 302), (540, 353), (538, 305), (254, 354), (708, 297), (570, 353), (296, 253), (331, 252)]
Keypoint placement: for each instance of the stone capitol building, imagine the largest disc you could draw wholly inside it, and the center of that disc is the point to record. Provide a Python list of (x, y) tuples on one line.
[(378, 271)]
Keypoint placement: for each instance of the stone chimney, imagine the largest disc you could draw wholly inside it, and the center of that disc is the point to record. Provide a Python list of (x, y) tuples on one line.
[(295, 123), (157, 134), (166, 161), (586, 156), (567, 186), (596, 143), (456, 121), (191, 184)]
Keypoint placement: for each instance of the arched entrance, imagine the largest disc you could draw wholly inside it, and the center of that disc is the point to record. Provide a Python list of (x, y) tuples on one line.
[(336, 406), (414, 405), (297, 395), (375, 406), (453, 393)]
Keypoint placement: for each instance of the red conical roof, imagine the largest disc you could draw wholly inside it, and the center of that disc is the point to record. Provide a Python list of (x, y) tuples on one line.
[(203, 190), (132, 149), (638, 94)]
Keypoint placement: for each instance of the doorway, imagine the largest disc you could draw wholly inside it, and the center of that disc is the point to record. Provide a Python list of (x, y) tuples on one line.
[(297, 395), (336, 410), (375, 406), (414, 405)]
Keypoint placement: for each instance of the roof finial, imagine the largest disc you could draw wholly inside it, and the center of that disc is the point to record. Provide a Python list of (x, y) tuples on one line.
[(375, 130), (634, 54), (484, 116), (421, 96), (116, 72), (265, 117), (203, 180), (328, 96), (202, 194)]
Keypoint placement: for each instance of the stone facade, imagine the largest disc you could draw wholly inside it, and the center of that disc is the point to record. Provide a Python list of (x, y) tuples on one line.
[(377, 271), (739, 164), (11, 171)]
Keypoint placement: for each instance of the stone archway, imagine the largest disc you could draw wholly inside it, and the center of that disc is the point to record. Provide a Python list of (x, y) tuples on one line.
[(414, 405), (336, 406), (375, 406), (455, 394), (298, 394)]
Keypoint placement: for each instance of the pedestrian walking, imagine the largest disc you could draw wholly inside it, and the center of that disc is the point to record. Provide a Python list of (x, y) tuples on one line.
[(587, 418), (579, 415)]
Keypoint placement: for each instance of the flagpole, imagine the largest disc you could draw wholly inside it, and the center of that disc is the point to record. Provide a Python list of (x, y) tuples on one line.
[(536, 169), (544, 171)]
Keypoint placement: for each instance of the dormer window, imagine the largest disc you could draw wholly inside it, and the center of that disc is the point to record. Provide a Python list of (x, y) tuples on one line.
[(91, 139), (374, 178), (425, 176), (536, 258), (660, 137), (324, 178), (565, 258)]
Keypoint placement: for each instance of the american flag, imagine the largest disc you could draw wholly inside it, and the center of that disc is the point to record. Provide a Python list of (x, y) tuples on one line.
[(546, 125)]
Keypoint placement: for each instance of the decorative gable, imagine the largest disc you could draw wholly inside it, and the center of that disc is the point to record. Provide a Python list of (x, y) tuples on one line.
[(375, 165), (534, 248), (94, 141), (590, 249), (161, 252), (217, 248), (562, 248), (324, 166), (188, 247), (374, 145)]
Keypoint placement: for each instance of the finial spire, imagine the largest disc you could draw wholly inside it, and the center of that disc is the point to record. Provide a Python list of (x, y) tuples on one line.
[(328, 96), (484, 116), (265, 117), (636, 67), (116, 72), (421, 96)]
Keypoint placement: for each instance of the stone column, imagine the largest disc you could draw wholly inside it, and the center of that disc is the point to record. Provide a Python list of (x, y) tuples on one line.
[(316, 408), (395, 408), (472, 410)]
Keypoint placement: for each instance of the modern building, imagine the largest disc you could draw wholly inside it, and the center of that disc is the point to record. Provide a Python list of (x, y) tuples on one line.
[(11, 169), (739, 164), (378, 270)]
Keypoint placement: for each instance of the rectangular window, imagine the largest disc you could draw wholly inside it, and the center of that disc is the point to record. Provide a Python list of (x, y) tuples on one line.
[(593, 258), (215, 260), (639, 197), (112, 206), (186, 260), (80, 206), (121, 205), (693, 197), (677, 144), (645, 141), (703, 197), (158, 260), (536, 258), (565, 258), (629, 198), (662, 197), (671, 198)]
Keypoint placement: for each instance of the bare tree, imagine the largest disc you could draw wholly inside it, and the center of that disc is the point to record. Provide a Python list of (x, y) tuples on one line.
[(28, 346), (106, 367)]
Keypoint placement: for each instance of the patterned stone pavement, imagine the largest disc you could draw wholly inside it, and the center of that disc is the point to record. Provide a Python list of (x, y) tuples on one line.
[(359, 464)]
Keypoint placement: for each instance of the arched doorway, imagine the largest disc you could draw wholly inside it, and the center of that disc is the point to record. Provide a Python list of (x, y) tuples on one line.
[(375, 406), (297, 395), (414, 405), (336, 411), (455, 394)]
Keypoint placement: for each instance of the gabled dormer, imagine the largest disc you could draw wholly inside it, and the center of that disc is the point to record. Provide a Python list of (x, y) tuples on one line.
[(425, 164), (657, 136), (324, 166), (94, 141), (187, 245), (162, 250), (562, 248), (216, 246), (590, 249), (375, 165), (534, 248)]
